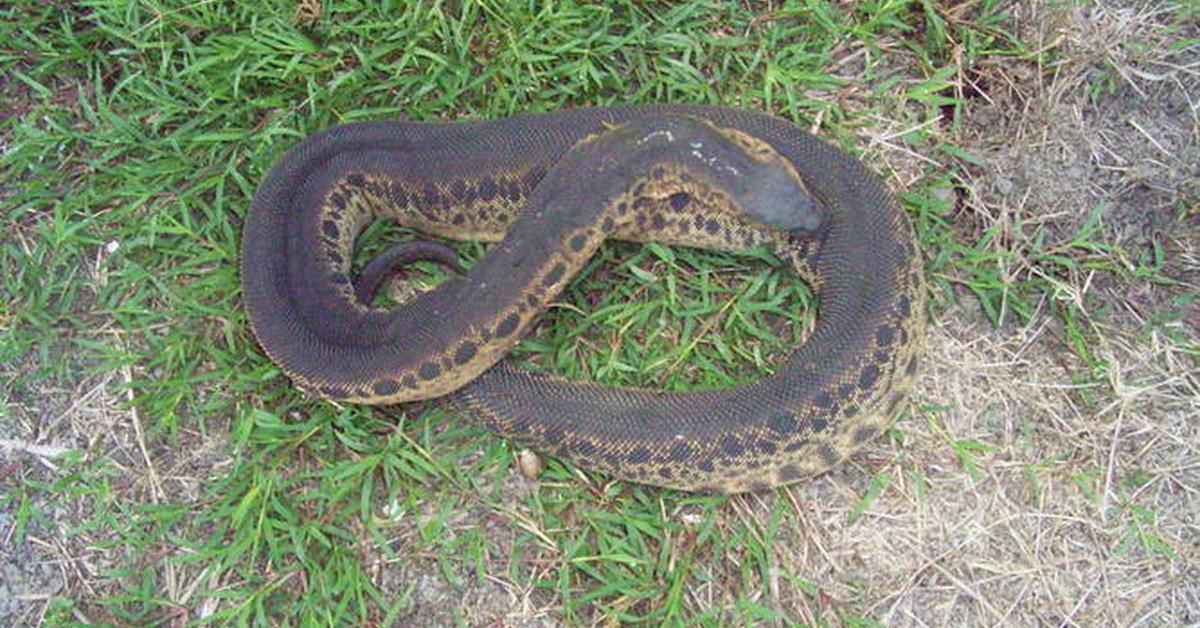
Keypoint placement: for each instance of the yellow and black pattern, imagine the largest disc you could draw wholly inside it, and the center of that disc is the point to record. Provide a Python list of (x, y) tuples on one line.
[(549, 189)]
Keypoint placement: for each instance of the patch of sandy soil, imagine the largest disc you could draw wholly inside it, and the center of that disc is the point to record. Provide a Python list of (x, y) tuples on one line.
[(27, 580), (1107, 125), (61, 555)]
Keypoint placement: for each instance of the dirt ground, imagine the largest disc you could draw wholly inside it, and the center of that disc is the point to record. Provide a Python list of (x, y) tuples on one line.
[(1040, 500)]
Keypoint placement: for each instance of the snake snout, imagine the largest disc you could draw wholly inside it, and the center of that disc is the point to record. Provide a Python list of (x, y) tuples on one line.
[(775, 197)]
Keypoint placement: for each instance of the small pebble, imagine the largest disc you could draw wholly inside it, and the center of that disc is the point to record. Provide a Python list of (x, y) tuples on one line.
[(1004, 185), (530, 464)]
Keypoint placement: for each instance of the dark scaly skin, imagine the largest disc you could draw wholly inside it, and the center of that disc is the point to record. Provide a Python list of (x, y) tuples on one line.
[(651, 173)]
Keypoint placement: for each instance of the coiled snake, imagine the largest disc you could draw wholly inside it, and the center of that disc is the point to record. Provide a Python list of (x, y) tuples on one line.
[(549, 188)]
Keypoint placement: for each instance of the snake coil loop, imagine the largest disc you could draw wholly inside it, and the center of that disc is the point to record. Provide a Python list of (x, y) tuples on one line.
[(549, 189)]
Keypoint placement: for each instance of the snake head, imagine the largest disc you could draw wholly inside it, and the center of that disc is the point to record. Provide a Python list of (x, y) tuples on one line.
[(763, 183), (771, 192)]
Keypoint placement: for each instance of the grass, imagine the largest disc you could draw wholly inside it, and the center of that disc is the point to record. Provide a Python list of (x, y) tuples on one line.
[(173, 475)]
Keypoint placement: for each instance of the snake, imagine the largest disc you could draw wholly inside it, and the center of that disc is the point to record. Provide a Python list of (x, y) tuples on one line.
[(546, 189)]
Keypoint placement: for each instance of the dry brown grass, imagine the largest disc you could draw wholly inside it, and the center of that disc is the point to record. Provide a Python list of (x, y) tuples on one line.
[(1081, 508)]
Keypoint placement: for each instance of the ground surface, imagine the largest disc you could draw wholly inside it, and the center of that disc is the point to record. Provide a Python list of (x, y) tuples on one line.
[(155, 468)]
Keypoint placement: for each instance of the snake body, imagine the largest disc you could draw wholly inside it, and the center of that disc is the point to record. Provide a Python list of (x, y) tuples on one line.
[(549, 188)]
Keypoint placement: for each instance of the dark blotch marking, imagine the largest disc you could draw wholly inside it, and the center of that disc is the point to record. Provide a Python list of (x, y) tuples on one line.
[(911, 369), (432, 198), (903, 307), (732, 446), (827, 455), (679, 200), (638, 455), (487, 189), (554, 435), (409, 381), (458, 219), (699, 222), (864, 434), (356, 180), (577, 242), (818, 424), (766, 447), (680, 452), (790, 473), (868, 376), (458, 188), (330, 229), (554, 275), (844, 391), (705, 466), (465, 352), (881, 356), (824, 400), (335, 257), (758, 487), (622, 208), (429, 370), (584, 448), (385, 387), (850, 411), (712, 226), (608, 225), (885, 335), (507, 326), (334, 391), (339, 278), (665, 473), (338, 201), (893, 403), (795, 445), (657, 221), (783, 423)]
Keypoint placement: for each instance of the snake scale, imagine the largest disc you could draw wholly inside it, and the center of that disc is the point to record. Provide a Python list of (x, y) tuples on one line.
[(548, 189)]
